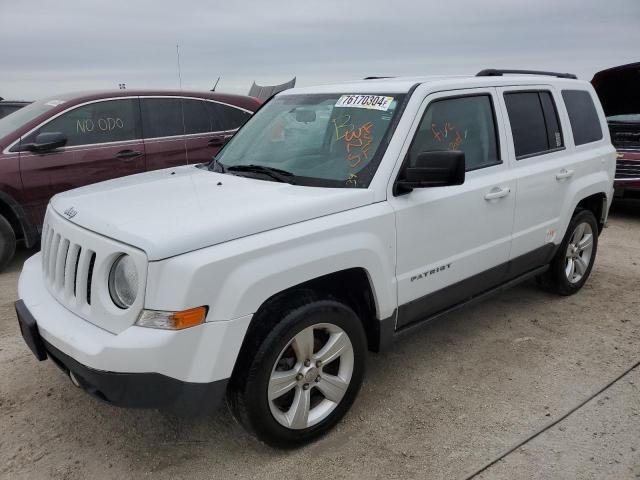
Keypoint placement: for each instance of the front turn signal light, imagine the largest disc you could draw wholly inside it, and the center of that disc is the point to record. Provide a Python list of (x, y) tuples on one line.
[(172, 320)]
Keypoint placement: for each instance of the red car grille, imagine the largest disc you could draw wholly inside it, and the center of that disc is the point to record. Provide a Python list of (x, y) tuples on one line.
[(628, 170)]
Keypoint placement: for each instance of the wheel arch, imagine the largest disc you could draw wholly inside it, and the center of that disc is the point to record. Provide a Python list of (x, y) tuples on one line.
[(596, 203), (15, 215), (352, 286)]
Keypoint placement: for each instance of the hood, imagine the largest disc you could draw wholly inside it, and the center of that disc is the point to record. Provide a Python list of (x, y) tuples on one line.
[(619, 89), (173, 211)]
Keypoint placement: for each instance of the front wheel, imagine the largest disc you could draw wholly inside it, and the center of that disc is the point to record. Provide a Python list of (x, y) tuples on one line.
[(304, 375), (7, 242), (574, 259)]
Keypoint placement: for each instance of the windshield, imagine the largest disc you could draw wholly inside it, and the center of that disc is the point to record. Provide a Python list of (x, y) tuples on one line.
[(331, 140), (17, 119), (628, 118)]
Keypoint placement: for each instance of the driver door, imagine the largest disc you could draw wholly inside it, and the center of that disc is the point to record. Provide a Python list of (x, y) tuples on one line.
[(453, 242), (103, 142)]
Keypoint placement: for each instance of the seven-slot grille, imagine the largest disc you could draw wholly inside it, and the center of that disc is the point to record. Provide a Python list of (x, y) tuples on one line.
[(75, 269), (67, 267), (627, 169)]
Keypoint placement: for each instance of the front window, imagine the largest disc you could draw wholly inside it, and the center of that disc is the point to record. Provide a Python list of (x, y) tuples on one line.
[(329, 140), (460, 123), (94, 123)]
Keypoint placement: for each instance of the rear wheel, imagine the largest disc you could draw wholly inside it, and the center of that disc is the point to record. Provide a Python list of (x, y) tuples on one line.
[(572, 264), (7, 242), (304, 375)]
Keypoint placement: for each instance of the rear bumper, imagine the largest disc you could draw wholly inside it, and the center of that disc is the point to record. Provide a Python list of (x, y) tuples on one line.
[(136, 390)]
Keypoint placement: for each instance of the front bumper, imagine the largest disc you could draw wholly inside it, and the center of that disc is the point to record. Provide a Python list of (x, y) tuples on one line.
[(137, 390), (183, 370)]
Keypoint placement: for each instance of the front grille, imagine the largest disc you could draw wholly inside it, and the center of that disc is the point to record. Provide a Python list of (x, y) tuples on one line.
[(627, 169), (67, 266), (75, 269)]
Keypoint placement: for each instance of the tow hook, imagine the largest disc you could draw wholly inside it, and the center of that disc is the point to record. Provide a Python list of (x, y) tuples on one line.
[(74, 379)]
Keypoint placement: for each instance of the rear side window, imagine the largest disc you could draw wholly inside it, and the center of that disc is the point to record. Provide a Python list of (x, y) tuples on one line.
[(462, 123), (198, 118), (229, 117), (534, 123), (161, 117), (99, 122), (583, 116)]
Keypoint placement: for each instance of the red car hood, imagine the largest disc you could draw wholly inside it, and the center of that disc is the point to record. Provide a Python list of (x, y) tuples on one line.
[(619, 89)]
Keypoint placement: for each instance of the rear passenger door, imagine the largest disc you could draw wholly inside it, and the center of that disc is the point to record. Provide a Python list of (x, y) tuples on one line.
[(538, 157), (163, 131)]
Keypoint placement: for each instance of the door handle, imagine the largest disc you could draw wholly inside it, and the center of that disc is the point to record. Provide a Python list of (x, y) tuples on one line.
[(564, 174), (497, 193), (126, 154), (217, 141)]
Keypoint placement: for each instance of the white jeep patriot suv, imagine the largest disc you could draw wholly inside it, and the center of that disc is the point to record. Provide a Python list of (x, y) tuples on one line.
[(337, 219)]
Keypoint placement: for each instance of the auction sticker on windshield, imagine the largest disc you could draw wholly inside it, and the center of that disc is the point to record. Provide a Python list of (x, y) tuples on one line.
[(373, 102)]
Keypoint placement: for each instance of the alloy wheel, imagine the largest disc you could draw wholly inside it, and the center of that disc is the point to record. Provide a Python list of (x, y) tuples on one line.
[(579, 251), (310, 376)]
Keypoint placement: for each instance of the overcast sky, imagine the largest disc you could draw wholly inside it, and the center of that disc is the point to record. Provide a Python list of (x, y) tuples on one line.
[(49, 47)]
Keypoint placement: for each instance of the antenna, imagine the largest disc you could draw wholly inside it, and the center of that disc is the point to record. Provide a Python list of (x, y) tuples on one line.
[(214, 87), (179, 71)]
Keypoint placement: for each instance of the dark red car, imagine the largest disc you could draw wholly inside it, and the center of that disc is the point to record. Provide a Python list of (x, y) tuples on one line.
[(619, 92), (67, 141)]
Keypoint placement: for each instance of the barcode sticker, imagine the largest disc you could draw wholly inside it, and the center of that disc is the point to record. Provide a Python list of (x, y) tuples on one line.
[(373, 102)]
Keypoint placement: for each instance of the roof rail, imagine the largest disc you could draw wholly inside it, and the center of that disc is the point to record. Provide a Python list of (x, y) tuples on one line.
[(493, 72), (375, 78)]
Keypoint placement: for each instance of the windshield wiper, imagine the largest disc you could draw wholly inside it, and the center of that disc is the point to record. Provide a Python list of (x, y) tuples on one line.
[(275, 173)]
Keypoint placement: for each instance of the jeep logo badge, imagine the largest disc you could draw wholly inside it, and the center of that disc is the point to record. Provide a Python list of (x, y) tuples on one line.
[(70, 212)]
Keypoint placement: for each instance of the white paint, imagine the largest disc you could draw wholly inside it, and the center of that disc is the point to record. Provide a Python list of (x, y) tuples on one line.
[(234, 245)]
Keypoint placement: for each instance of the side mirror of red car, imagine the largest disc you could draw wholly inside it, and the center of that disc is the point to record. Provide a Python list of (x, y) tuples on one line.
[(45, 142)]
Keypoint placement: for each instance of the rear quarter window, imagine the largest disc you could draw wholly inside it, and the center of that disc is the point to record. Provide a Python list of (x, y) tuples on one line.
[(583, 116)]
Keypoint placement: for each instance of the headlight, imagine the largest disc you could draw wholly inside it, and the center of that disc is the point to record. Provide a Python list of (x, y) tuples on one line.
[(123, 282)]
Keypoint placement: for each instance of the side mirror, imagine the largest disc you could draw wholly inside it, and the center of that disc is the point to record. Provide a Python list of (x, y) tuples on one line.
[(434, 169), (45, 142)]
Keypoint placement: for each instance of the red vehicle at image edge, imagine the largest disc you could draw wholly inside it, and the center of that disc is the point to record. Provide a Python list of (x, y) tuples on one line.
[(619, 92), (68, 141)]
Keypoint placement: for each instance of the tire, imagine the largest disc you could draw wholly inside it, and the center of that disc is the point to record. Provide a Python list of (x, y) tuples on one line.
[(7, 243), (572, 263), (272, 378)]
